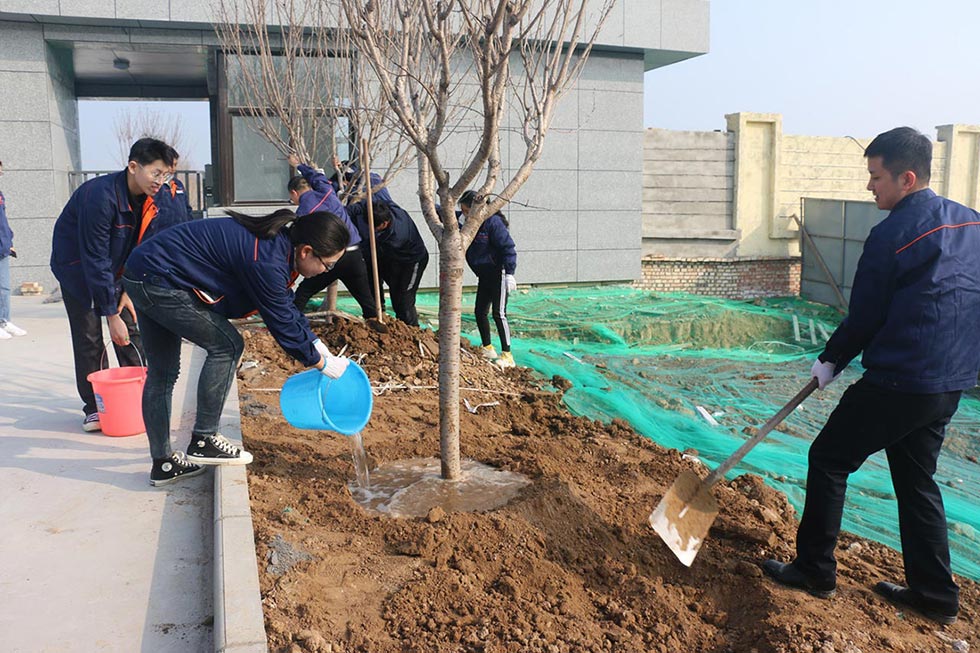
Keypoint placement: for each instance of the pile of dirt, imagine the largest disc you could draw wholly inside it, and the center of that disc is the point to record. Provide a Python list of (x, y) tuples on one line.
[(570, 565)]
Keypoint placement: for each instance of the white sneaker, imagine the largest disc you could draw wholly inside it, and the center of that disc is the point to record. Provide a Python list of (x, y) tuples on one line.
[(488, 352), (13, 329), (4, 335)]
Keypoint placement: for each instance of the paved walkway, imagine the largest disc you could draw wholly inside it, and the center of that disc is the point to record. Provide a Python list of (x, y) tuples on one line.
[(91, 557)]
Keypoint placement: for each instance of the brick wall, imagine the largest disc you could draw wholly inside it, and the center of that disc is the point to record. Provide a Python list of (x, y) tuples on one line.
[(740, 278)]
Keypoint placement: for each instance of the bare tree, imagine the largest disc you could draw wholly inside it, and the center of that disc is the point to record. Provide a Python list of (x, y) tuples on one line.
[(517, 56), (133, 124), (297, 76)]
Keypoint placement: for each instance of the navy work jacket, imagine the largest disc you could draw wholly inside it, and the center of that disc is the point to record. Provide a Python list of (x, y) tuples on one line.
[(401, 242), (492, 248), (322, 197), (379, 195), (915, 303), (233, 272), (94, 235)]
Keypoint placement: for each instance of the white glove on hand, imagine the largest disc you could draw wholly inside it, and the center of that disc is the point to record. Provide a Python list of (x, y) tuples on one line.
[(511, 282), (333, 366), (824, 373)]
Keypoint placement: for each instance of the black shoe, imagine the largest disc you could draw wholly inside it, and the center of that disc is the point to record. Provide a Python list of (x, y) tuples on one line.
[(790, 576), (91, 423), (216, 450), (167, 470), (912, 600)]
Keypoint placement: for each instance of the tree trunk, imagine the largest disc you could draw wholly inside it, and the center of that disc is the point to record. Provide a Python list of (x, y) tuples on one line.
[(450, 307)]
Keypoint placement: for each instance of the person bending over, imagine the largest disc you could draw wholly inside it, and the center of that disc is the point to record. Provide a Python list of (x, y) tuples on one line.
[(189, 281)]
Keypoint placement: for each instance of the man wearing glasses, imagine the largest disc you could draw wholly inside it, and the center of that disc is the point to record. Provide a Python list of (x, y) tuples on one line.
[(100, 225)]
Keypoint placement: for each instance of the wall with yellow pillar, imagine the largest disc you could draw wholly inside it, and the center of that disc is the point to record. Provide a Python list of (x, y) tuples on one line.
[(774, 171)]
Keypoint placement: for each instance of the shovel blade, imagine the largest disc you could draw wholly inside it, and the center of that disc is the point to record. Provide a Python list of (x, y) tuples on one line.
[(684, 516)]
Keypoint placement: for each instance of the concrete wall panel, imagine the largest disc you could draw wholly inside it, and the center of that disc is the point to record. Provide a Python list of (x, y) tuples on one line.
[(607, 230), (538, 231), (600, 265)]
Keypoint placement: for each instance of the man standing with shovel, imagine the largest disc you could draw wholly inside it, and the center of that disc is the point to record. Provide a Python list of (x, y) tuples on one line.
[(914, 310)]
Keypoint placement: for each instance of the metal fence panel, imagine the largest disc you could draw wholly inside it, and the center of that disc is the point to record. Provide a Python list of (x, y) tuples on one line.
[(838, 229), (193, 181)]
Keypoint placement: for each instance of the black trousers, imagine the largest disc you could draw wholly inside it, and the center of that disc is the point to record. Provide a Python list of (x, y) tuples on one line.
[(351, 270), (910, 428), (403, 281), (491, 291), (88, 347)]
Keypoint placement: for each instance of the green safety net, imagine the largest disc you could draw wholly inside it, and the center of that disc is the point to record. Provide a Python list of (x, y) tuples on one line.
[(653, 359)]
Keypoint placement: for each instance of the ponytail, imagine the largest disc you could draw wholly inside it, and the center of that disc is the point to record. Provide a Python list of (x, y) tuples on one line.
[(263, 226)]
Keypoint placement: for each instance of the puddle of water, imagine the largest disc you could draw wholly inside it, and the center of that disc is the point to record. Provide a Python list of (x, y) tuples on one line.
[(360, 461), (410, 488)]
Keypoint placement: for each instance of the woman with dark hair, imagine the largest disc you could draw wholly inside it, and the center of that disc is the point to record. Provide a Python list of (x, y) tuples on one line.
[(493, 258), (188, 281)]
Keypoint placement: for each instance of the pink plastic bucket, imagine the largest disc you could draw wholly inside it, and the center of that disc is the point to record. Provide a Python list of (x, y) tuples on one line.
[(119, 399)]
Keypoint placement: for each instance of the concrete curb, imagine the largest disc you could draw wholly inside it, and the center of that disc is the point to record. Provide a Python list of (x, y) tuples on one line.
[(239, 626)]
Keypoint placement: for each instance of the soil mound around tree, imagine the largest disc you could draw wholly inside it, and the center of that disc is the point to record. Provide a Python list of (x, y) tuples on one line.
[(571, 564)]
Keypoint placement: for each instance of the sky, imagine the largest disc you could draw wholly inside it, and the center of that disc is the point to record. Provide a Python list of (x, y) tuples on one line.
[(97, 121), (830, 67)]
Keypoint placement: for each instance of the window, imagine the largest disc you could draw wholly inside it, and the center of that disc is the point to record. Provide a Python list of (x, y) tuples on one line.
[(250, 168)]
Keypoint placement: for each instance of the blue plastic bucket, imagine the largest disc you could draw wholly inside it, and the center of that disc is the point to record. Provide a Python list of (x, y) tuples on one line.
[(310, 400)]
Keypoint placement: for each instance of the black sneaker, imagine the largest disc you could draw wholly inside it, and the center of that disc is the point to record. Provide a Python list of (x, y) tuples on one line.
[(167, 470), (790, 576), (91, 423), (909, 599), (216, 450)]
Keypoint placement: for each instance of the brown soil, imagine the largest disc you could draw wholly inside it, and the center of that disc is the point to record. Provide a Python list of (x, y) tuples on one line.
[(570, 565)]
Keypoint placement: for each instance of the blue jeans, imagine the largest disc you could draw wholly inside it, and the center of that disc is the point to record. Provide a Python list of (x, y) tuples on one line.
[(4, 289), (165, 316)]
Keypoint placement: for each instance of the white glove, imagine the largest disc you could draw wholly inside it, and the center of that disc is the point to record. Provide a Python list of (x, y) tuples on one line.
[(824, 373), (511, 282), (333, 366)]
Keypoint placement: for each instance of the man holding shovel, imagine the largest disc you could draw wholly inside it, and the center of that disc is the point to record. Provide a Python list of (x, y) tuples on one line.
[(914, 310)]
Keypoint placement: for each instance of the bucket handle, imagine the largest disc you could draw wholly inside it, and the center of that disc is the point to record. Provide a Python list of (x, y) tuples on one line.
[(321, 391), (105, 355)]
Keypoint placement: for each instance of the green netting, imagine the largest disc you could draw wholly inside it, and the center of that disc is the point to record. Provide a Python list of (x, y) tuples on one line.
[(651, 359)]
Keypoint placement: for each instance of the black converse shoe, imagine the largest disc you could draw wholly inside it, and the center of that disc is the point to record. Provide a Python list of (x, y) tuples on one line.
[(168, 470), (216, 450)]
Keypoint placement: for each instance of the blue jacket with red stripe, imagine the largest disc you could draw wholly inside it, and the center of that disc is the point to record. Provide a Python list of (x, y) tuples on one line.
[(234, 272), (94, 235), (915, 302), (173, 203), (6, 233), (322, 197)]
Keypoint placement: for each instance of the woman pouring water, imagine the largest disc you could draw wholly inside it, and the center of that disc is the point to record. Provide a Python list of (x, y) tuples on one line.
[(189, 281)]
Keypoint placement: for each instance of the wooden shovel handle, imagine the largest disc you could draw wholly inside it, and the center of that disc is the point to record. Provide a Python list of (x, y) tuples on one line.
[(747, 446)]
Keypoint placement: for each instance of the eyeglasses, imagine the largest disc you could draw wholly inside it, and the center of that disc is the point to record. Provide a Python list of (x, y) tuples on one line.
[(159, 175), (327, 266)]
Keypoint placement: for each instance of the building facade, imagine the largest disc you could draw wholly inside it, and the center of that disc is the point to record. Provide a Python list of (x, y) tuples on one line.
[(578, 218)]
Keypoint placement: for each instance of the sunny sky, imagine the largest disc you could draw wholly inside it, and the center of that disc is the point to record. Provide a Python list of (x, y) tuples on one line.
[(832, 68)]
